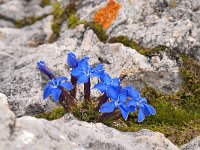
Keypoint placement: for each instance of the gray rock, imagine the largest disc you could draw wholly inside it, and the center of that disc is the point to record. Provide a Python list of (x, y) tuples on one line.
[(31, 36), (152, 23), (18, 10), (192, 145), (68, 133), (4, 23)]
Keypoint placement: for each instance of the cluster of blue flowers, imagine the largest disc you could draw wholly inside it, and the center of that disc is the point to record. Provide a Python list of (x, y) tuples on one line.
[(126, 99)]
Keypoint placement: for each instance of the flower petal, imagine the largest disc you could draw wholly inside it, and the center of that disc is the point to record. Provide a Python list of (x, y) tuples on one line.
[(56, 94), (101, 87), (83, 78), (141, 115), (116, 81), (150, 109), (132, 102), (47, 91), (76, 72), (112, 92), (83, 64), (123, 96), (67, 85), (107, 79), (107, 107), (71, 60), (131, 109), (133, 93), (98, 68), (124, 111)]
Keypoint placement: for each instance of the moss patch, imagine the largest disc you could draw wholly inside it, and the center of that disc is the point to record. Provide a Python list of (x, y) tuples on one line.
[(132, 44), (98, 30), (56, 113), (45, 3), (60, 15), (29, 21), (74, 21)]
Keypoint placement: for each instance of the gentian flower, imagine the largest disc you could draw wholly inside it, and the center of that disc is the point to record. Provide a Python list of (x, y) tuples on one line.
[(84, 71), (118, 97), (106, 81), (41, 65), (72, 60), (52, 87), (140, 103)]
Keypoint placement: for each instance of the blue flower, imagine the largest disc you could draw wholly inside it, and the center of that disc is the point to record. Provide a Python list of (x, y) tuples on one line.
[(72, 60), (84, 71), (106, 81), (52, 87), (41, 65), (118, 97), (140, 103)]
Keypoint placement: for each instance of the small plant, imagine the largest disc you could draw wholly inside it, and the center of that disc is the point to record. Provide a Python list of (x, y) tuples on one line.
[(116, 100)]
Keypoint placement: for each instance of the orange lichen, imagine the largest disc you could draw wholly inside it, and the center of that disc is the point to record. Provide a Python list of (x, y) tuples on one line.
[(105, 16)]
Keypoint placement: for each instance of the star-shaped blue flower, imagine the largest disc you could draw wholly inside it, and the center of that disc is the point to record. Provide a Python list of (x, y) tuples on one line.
[(106, 81), (118, 96), (84, 71), (140, 103), (41, 65), (52, 87)]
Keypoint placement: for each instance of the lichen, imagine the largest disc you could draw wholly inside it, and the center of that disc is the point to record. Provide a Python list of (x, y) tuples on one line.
[(105, 16)]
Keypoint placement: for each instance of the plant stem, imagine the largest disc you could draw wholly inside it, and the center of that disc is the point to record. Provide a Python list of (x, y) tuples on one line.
[(87, 91), (102, 99), (74, 83), (66, 98)]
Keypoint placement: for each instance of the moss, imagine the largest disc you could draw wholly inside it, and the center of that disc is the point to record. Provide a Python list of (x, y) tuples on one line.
[(45, 3), (190, 92), (60, 15), (74, 21), (54, 114), (98, 30), (29, 21), (85, 112), (132, 44)]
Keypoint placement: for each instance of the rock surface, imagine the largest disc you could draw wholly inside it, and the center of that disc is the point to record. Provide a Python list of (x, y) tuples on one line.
[(68, 133), (193, 145), (173, 23)]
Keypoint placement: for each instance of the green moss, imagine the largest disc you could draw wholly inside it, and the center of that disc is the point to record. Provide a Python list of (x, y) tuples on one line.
[(190, 92), (132, 44), (54, 114), (85, 112), (60, 15), (45, 3), (74, 21), (29, 21), (98, 30)]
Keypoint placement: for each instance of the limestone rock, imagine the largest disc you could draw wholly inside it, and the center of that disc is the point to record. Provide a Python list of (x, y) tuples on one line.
[(151, 23), (18, 10), (192, 145), (68, 133)]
